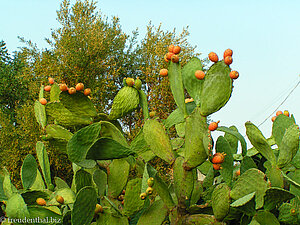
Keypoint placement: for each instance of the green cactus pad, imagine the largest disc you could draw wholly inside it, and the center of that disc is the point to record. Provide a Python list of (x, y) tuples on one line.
[(58, 132), (144, 104), (177, 143), (100, 179), (8, 188), (132, 201), (154, 215), (126, 100), (250, 181), (78, 104), (191, 83), (281, 123), (82, 140), (65, 117), (243, 200), (160, 187), (294, 179), (180, 129), (286, 216), (176, 85), (232, 140), (265, 218), (40, 114), (223, 145), (28, 171), (54, 93), (216, 90), (183, 182), (195, 151), (82, 179), (221, 201), (39, 182), (289, 146), (108, 218), (109, 130), (174, 118), (296, 160), (247, 163), (44, 214), (209, 178), (43, 159), (60, 183), (274, 175), (156, 137), (117, 176), (41, 93), (260, 142), (16, 207), (237, 135), (145, 178), (201, 219), (275, 196), (84, 206)]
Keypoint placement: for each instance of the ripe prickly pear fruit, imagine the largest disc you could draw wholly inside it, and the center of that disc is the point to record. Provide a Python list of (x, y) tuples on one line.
[(60, 199), (47, 88), (170, 48), (72, 90), (199, 74), (98, 209), (187, 100), (138, 83), (217, 166), (213, 126), (218, 158), (213, 57), (176, 50), (273, 118), (152, 114), (163, 72), (228, 60), (51, 80), (121, 197), (175, 58), (123, 192), (143, 196), (285, 112), (234, 74), (63, 87), (87, 91), (227, 52), (43, 101), (41, 201), (129, 81), (149, 191), (79, 87), (150, 181), (278, 113)]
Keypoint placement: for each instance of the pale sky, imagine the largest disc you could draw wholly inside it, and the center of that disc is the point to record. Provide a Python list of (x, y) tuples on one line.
[(264, 36)]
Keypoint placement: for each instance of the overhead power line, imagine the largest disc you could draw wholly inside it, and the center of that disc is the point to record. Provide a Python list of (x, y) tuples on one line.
[(280, 104)]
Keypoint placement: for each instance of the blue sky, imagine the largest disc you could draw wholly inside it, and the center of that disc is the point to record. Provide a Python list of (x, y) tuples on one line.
[(264, 36)]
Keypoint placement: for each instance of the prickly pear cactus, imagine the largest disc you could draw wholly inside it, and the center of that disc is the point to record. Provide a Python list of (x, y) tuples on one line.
[(125, 102)]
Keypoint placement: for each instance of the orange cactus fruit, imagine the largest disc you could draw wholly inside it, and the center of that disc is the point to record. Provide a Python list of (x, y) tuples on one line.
[(217, 166), (176, 50), (47, 88), (285, 112), (63, 87), (238, 172), (43, 101), (228, 60), (278, 113), (152, 114), (213, 57), (199, 74), (165, 58), (187, 100), (227, 52), (41, 201), (163, 72), (170, 48), (175, 58), (143, 196), (98, 209), (273, 118), (87, 91), (169, 55), (79, 87), (234, 74), (72, 90), (60, 199), (51, 80), (218, 158), (213, 126)]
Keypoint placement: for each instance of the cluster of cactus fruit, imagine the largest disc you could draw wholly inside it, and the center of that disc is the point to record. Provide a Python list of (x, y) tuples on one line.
[(259, 185)]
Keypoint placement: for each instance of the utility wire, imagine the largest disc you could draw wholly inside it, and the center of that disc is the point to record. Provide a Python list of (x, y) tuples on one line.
[(280, 104)]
